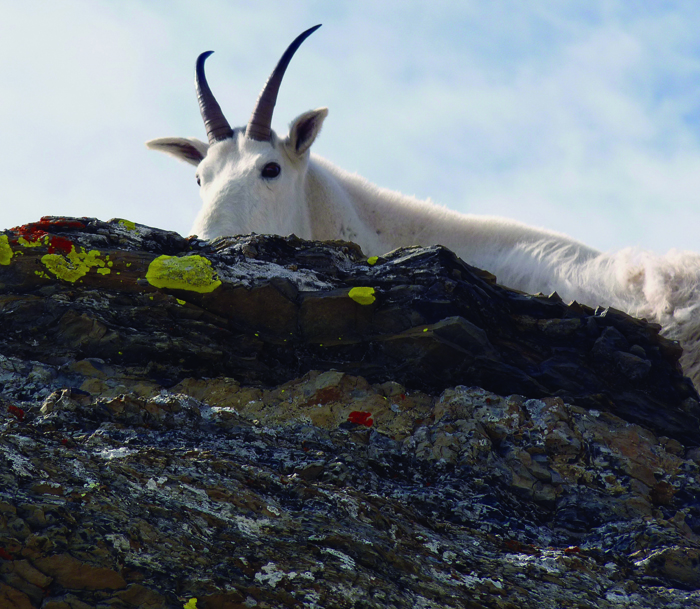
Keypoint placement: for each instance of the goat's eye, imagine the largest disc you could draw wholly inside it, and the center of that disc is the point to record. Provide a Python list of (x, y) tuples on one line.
[(271, 170), (199, 182)]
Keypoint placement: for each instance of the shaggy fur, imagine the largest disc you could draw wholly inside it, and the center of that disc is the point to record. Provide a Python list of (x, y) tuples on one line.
[(316, 200)]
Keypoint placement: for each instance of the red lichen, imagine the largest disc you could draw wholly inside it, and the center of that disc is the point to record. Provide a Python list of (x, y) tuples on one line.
[(30, 232), (17, 412), (360, 417), (60, 245), (36, 231), (5, 554), (521, 548), (60, 223)]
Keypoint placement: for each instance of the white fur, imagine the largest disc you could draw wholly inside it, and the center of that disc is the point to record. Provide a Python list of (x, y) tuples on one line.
[(316, 200)]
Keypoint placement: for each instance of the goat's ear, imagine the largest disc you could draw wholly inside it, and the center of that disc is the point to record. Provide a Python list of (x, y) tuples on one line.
[(304, 130), (187, 149)]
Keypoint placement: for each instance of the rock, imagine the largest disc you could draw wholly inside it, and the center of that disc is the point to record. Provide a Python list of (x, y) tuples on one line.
[(681, 565), (268, 422), (264, 310)]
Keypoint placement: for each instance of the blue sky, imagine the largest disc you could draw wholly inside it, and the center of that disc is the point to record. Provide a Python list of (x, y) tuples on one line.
[(582, 117)]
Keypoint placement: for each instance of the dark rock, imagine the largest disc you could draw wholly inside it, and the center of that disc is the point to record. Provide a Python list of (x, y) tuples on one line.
[(211, 445), (266, 309), (632, 366), (611, 342)]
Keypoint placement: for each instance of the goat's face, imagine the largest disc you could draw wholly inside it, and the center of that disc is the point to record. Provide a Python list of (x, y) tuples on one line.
[(249, 186), (246, 186), (251, 180)]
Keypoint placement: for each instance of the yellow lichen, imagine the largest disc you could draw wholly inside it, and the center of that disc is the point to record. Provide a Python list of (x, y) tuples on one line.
[(74, 265), (5, 250), (104, 271), (190, 604), (38, 243), (42, 274), (193, 273), (372, 260), (180, 302), (363, 296), (128, 224)]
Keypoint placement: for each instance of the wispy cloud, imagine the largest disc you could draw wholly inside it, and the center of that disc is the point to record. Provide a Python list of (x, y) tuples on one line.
[(582, 117)]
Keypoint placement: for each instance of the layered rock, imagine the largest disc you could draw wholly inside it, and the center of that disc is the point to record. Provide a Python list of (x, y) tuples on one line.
[(265, 310), (264, 421)]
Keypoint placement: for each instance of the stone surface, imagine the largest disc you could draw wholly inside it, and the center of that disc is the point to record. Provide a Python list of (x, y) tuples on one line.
[(251, 432), (265, 310)]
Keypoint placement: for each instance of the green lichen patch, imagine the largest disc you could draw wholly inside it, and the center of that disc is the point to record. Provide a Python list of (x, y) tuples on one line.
[(193, 273), (75, 264), (5, 250), (363, 296), (372, 260), (128, 224), (37, 243)]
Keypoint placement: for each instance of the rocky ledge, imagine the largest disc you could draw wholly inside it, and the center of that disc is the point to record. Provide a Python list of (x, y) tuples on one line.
[(269, 422)]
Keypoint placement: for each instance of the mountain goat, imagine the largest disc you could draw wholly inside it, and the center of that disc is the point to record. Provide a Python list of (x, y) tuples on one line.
[(252, 180)]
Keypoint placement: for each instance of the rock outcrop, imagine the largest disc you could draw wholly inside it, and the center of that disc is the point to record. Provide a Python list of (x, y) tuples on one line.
[(268, 422)]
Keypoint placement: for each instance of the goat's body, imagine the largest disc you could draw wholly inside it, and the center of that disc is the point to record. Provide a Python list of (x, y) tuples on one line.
[(346, 206), (253, 181), (663, 289)]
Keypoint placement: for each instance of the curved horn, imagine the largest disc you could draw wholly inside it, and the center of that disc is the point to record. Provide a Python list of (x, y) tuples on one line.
[(214, 121), (259, 125)]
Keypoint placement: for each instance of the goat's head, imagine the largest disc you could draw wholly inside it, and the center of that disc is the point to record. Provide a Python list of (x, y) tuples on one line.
[(250, 179)]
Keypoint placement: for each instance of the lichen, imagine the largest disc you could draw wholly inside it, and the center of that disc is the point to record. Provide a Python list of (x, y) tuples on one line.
[(75, 264), (372, 260), (128, 224), (193, 273), (360, 417), (37, 243), (363, 296), (5, 250)]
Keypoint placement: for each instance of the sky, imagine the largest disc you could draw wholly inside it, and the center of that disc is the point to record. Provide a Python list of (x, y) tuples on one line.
[(578, 116)]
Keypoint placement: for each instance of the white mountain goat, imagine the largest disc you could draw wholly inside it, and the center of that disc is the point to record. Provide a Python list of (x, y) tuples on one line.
[(254, 181)]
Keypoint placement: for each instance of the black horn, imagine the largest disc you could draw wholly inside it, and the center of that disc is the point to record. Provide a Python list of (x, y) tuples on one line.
[(214, 120), (260, 123)]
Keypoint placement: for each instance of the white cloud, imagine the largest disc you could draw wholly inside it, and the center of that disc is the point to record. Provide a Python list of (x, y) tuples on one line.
[(579, 116)]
